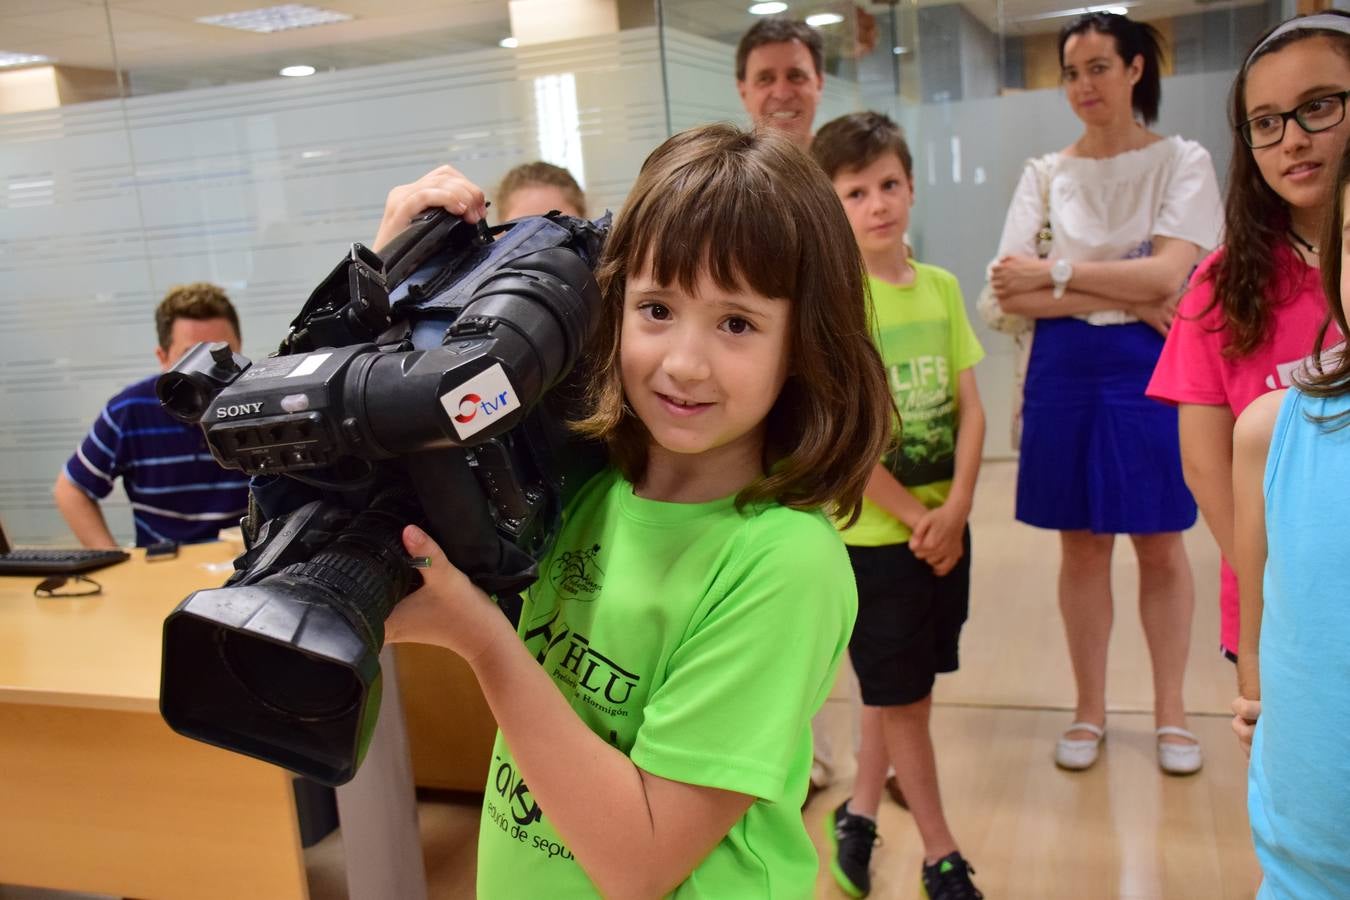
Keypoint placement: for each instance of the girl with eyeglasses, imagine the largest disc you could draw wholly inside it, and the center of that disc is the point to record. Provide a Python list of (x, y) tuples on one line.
[(1250, 319)]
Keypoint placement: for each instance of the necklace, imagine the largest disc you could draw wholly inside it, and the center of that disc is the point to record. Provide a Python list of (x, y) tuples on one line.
[(1302, 242)]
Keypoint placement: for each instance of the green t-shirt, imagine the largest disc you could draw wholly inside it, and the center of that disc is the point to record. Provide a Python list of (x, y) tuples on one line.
[(699, 641), (925, 341)]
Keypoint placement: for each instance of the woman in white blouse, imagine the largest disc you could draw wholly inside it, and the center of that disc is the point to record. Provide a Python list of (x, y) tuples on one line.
[(1099, 240)]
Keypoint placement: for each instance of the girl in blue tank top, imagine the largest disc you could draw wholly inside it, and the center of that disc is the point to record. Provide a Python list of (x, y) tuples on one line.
[(1291, 474)]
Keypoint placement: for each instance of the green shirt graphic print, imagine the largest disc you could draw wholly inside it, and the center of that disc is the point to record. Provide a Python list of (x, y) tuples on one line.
[(925, 342), (699, 640)]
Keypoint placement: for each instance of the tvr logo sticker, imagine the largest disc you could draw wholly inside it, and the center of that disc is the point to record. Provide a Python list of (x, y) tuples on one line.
[(480, 402), (470, 404)]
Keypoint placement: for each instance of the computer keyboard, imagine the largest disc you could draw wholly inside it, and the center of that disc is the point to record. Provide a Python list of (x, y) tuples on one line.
[(56, 561)]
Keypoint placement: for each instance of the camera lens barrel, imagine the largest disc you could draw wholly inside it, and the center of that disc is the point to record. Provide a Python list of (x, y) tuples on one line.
[(364, 571)]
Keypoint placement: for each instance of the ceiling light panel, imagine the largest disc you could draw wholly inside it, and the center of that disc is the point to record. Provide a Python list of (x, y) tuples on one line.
[(21, 59), (1119, 9), (276, 18)]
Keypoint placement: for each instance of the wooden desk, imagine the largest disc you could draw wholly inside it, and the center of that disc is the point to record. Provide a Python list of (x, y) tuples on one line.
[(450, 727), (96, 792)]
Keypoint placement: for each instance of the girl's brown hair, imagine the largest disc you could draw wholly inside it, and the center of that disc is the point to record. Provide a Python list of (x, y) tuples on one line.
[(1256, 219), (753, 211), (1331, 378)]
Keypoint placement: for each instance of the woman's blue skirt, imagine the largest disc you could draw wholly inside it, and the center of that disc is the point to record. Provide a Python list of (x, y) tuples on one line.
[(1097, 455)]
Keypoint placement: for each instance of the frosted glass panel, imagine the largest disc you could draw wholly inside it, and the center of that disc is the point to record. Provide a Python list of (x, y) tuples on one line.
[(212, 169), (976, 87), (259, 188), (968, 157)]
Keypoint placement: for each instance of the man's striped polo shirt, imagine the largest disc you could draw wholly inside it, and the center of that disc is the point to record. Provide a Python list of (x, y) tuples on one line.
[(178, 492)]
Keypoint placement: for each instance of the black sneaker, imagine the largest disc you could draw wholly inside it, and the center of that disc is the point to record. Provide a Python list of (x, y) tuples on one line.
[(949, 879), (851, 841)]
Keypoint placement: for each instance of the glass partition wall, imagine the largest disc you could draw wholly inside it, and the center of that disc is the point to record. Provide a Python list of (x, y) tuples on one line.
[(152, 144), (976, 86)]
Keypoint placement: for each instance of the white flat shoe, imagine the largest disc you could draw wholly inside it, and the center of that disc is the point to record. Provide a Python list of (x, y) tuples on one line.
[(1080, 754), (1179, 759)]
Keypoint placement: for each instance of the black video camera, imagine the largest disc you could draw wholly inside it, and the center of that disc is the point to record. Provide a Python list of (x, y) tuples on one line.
[(428, 384)]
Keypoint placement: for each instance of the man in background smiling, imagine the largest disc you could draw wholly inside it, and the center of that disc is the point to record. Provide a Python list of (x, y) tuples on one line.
[(779, 77)]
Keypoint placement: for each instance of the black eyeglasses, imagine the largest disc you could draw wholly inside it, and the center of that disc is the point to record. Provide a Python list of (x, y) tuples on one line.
[(67, 586), (1267, 130)]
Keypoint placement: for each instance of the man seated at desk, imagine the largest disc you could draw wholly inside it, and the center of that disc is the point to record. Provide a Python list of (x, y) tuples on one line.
[(177, 490)]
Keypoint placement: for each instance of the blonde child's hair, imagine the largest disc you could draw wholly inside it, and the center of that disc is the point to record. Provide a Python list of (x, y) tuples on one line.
[(536, 173)]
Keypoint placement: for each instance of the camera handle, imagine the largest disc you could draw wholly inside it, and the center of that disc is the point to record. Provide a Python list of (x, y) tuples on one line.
[(351, 305)]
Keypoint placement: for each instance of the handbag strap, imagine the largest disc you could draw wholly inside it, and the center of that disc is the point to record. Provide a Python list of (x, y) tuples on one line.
[(1045, 235)]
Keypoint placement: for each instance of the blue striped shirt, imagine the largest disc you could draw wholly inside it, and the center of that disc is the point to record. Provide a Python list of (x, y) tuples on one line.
[(178, 492)]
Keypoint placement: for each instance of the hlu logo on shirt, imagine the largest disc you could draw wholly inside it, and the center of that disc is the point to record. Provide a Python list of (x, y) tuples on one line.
[(597, 679), (597, 675)]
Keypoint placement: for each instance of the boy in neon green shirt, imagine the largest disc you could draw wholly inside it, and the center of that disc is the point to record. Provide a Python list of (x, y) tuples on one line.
[(910, 549)]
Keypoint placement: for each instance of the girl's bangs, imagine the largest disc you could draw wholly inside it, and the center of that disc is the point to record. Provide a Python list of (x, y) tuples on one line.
[(709, 217)]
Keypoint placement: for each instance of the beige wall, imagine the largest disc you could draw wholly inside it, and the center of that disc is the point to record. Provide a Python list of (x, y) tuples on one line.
[(43, 87)]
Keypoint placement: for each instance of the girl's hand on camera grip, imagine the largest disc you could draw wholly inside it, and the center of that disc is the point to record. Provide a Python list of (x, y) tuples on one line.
[(448, 610)]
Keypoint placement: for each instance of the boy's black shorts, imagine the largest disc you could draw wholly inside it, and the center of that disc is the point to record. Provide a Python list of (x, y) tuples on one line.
[(909, 622)]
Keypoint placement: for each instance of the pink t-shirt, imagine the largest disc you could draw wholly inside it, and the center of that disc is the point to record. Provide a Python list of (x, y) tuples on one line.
[(1193, 368)]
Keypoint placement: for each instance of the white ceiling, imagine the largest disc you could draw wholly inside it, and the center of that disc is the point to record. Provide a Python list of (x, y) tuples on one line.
[(149, 33), (162, 47)]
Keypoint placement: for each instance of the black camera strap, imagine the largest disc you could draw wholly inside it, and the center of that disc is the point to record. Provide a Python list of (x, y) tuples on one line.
[(447, 281)]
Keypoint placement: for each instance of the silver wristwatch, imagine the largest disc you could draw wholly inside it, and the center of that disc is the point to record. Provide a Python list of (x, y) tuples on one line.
[(1060, 273)]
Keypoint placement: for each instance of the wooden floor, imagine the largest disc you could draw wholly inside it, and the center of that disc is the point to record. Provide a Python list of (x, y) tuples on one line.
[(1121, 830)]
